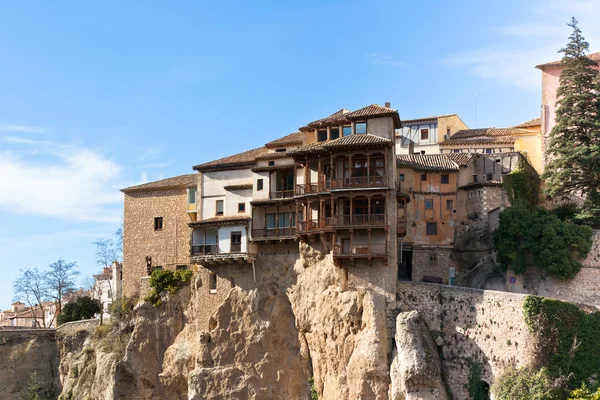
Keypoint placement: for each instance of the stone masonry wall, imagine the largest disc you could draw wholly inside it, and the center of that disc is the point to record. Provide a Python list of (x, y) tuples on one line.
[(168, 247), (23, 352), (432, 261), (471, 327)]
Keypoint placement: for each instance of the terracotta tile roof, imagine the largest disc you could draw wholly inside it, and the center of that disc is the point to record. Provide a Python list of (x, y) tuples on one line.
[(344, 116), (273, 156), (181, 181), (357, 140), (488, 132), (592, 56), (237, 161), (480, 141), (462, 159), (532, 122), (293, 139), (432, 118), (234, 220), (311, 148), (474, 185), (244, 186), (427, 162), (267, 168)]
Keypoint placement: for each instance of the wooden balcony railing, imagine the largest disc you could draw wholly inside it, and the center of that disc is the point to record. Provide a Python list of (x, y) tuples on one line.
[(281, 194), (314, 224), (203, 249), (366, 219), (360, 250), (302, 189), (235, 248), (360, 182), (273, 233)]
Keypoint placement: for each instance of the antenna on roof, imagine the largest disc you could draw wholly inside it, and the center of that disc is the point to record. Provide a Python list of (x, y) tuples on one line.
[(475, 110)]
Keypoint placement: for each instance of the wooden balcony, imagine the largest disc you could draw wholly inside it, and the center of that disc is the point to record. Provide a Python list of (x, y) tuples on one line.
[(302, 189), (314, 225), (211, 254), (401, 227), (359, 182), (281, 194), (359, 220), (273, 233), (360, 250)]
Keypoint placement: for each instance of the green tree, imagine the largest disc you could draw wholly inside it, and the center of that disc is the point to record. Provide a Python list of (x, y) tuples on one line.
[(574, 166), (83, 308), (534, 237)]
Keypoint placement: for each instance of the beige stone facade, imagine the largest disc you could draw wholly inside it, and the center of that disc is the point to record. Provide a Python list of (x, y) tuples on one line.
[(168, 246)]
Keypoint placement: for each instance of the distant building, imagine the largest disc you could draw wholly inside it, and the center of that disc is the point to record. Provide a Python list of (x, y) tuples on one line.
[(22, 316), (108, 286), (424, 135)]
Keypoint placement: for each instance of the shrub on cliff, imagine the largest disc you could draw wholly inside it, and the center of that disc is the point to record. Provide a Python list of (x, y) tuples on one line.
[(526, 384), (36, 389), (166, 282), (535, 237), (585, 393), (83, 308)]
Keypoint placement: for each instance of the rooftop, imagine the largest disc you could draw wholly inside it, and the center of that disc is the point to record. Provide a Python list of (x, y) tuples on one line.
[(181, 181), (293, 139), (425, 119), (240, 160), (427, 162), (344, 117), (462, 159), (592, 56)]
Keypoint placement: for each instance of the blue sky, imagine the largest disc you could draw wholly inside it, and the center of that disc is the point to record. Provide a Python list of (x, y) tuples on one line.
[(100, 96)]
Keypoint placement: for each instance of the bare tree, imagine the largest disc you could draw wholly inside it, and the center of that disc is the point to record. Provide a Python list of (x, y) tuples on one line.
[(61, 280), (31, 287), (105, 252), (119, 243)]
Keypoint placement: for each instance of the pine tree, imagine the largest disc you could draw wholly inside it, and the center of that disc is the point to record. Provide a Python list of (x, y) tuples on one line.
[(574, 150)]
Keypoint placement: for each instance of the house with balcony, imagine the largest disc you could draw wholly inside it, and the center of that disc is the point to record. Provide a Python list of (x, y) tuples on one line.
[(424, 135), (346, 189)]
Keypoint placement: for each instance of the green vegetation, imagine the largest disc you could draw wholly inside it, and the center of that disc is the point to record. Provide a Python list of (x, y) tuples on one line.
[(522, 186), (35, 389), (525, 384), (313, 391), (121, 309), (569, 336), (83, 308), (585, 393), (166, 282), (535, 237), (575, 140)]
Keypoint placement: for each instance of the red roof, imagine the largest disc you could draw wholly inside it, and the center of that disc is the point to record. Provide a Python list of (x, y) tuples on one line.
[(344, 117), (426, 162), (592, 56), (293, 139), (237, 161), (528, 124), (181, 181)]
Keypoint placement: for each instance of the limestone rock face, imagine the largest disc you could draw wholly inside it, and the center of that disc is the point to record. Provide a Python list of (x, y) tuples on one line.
[(415, 371)]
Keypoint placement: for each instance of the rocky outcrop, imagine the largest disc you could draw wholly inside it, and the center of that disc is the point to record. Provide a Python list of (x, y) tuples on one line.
[(415, 371)]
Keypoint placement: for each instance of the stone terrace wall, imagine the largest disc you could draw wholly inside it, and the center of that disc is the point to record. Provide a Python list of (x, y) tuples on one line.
[(73, 327), (23, 352), (472, 327)]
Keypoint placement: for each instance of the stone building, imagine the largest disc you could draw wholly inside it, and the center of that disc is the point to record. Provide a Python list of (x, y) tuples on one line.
[(424, 135), (155, 228)]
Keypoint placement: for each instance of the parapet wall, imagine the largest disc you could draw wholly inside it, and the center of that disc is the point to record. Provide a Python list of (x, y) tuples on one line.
[(473, 328)]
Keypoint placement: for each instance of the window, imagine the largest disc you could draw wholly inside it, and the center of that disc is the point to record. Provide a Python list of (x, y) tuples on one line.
[(191, 195), (429, 204), (334, 133), (445, 178), (181, 267), (158, 223), (431, 228), (432, 257), (271, 163), (448, 132), (241, 207), (489, 176), (322, 135), (279, 150), (423, 177), (422, 151), (360, 127), (212, 284), (474, 177), (259, 184), (456, 151), (236, 242), (479, 193), (347, 130), (219, 207), (424, 134), (489, 151), (449, 205), (401, 177)]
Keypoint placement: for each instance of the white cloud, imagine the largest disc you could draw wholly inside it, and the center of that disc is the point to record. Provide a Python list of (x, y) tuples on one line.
[(49, 179), (383, 59), (526, 45), (23, 129), (157, 165)]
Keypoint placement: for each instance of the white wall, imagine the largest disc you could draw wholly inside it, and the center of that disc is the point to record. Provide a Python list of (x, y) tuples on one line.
[(225, 238)]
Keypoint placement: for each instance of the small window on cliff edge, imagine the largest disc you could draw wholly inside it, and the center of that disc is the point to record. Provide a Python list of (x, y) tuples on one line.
[(158, 223), (213, 283)]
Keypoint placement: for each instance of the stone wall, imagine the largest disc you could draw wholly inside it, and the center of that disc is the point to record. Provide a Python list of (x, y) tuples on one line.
[(24, 352), (471, 327), (432, 261), (168, 247), (73, 327)]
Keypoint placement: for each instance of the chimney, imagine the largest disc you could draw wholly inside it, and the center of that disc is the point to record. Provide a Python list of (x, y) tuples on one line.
[(388, 104)]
